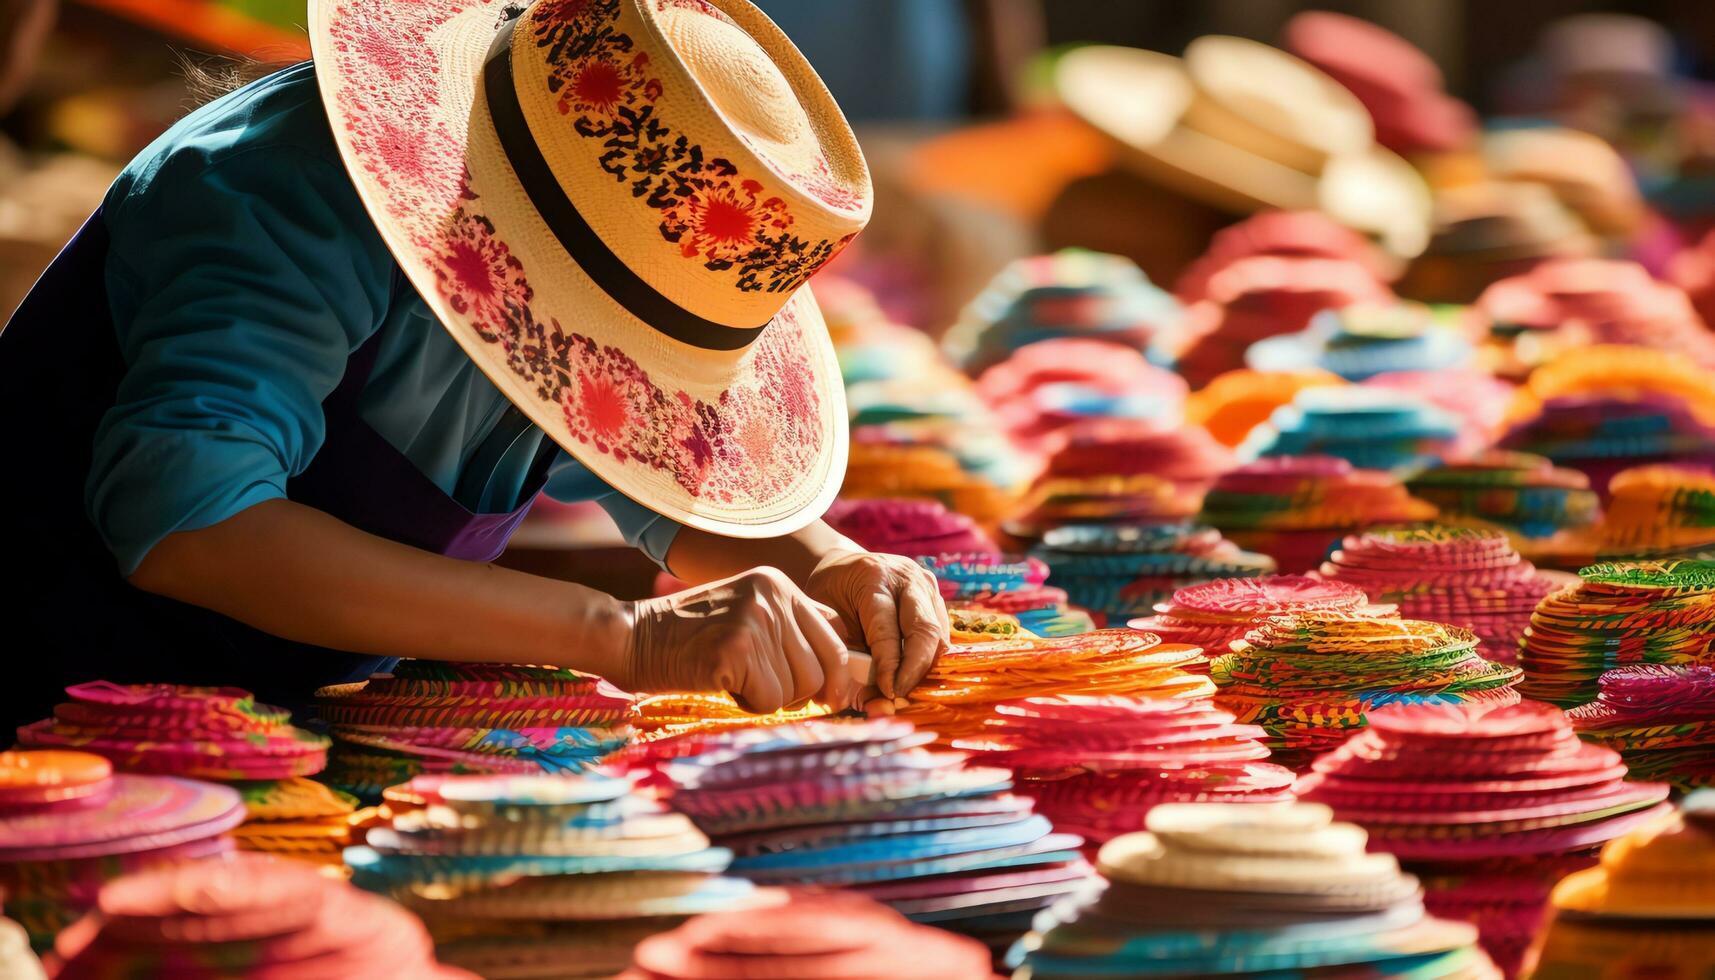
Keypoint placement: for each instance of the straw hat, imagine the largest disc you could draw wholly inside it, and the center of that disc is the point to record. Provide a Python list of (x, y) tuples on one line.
[(612, 205), (1243, 126)]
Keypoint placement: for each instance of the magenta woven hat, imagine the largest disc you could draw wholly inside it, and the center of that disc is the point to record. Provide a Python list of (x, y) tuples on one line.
[(613, 206)]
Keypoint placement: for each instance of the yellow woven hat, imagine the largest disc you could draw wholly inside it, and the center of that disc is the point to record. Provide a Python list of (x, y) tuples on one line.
[(612, 205)]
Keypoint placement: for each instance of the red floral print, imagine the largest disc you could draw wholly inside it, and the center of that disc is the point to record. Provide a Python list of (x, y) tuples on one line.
[(478, 275)]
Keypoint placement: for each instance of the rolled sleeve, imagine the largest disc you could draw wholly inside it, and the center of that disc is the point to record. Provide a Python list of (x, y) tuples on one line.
[(239, 290)]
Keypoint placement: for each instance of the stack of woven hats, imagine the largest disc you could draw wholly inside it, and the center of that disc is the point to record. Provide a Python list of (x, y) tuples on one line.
[(1227, 890), (1371, 428), (1009, 586), (1604, 408), (1120, 572), (1578, 302), (1096, 765), (1289, 234), (1069, 294), (864, 805), (1052, 384), (1309, 679), (248, 916), (966, 685), (1400, 85), (1489, 805), (1185, 457), (218, 734), (1235, 402), (1620, 614), (1295, 509), (914, 465), (907, 527), (442, 719), (543, 876), (1661, 720), (813, 934), (1214, 614), (1525, 494), (1360, 342), (1647, 911), (69, 823), (1466, 577)]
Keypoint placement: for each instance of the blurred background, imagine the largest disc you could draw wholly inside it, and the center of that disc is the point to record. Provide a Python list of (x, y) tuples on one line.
[(1465, 140)]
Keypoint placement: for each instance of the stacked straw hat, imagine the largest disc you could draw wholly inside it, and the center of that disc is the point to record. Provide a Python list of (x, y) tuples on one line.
[(1477, 398), (1658, 511), (1489, 805), (1096, 765), (1047, 386), (1293, 234), (218, 734), (1310, 679), (1586, 172), (245, 916), (1118, 572), (543, 876), (964, 687), (1466, 577), (1214, 614), (1000, 595), (1400, 85), (1295, 509), (1055, 501), (1235, 402), (866, 806), (1620, 614), (911, 465), (1661, 719), (1647, 910), (907, 527), (69, 823), (1244, 126), (814, 934), (430, 718), (1525, 494), (1371, 428), (1605, 408), (1360, 342), (1215, 890), (1069, 294)]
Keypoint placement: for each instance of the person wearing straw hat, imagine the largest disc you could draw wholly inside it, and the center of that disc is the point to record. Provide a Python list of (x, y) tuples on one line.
[(291, 388)]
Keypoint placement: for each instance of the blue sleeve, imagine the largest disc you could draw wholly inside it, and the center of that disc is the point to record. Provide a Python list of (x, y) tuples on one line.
[(642, 528), (239, 289)]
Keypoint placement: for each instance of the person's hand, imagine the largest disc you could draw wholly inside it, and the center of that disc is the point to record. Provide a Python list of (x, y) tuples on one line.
[(755, 636), (891, 602)]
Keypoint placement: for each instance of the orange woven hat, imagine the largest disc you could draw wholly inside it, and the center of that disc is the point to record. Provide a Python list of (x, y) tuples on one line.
[(612, 205)]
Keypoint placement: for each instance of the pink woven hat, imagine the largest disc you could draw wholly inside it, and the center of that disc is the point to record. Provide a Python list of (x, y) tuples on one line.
[(612, 205)]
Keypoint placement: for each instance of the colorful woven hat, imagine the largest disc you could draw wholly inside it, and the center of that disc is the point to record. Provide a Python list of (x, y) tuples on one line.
[(1359, 342), (1292, 234), (864, 805), (1466, 577), (1647, 910), (208, 733), (1578, 302), (500, 862), (1311, 678), (1215, 889), (907, 527), (245, 915), (1620, 614), (1214, 614), (1525, 494), (611, 206), (1120, 572), (1489, 805), (1296, 509), (1095, 765), (814, 934), (442, 718), (1052, 384), (1371, 428), (961, 691), (1235, 402), (1660, 719), (67, 824), (1069, 294)]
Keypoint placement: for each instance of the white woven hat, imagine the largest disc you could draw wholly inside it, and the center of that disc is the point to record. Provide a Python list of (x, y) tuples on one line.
[(613, 206)]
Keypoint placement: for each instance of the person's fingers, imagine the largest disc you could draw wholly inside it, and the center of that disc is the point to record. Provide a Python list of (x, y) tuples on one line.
[(819, 626), (760, 690), (880, 616), (925, 634), (801, 673)]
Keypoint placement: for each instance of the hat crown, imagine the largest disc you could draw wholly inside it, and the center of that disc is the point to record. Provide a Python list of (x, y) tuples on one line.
[(697, 143)]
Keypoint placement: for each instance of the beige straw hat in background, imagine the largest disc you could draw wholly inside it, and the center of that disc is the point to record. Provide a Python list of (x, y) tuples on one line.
[(613, 206)]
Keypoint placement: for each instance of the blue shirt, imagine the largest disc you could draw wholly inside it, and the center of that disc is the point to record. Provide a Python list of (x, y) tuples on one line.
[(243, 272)]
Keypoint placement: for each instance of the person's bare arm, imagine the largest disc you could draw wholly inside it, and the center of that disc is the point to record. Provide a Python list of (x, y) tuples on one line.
[(296, 572), (891, 603)]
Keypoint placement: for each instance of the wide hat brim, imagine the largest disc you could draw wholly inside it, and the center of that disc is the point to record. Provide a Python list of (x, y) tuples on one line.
[(747, 443)]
